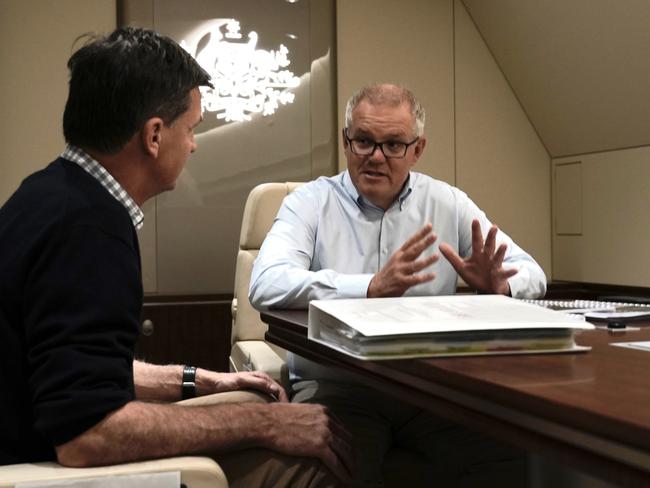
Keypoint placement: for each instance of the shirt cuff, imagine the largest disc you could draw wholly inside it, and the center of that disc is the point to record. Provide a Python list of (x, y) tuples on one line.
[(523, 285), (353, 285)]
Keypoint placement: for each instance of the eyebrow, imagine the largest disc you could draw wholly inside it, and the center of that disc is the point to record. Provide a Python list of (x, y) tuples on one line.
[(394, 137), (198, 122)]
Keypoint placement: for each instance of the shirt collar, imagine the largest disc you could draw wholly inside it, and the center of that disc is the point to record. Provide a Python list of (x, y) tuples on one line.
[(357, 197), (97, 171)]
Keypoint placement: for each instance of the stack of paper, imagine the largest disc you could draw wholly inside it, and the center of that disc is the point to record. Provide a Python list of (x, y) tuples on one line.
[(391, 328)]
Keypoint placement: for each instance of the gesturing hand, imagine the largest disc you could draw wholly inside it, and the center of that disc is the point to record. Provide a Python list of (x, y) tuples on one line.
[(401, 271), (302, 429), (482, 270), (214, 382)]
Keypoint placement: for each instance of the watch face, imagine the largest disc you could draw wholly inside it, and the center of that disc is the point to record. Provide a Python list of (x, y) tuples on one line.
[(188, 385)]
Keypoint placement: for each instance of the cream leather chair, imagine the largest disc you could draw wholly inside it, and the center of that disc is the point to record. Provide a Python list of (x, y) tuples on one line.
[(196, 472), (249, 351)]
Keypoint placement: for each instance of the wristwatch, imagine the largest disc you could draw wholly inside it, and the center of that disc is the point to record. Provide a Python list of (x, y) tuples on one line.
[(189, 382)]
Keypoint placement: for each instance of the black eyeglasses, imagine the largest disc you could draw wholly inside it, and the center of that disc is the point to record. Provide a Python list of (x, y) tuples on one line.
[(391, 149)]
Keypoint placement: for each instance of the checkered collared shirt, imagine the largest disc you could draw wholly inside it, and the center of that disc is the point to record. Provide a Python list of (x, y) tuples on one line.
[(98, 172)]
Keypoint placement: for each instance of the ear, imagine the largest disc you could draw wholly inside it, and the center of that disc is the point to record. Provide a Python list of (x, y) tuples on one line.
[(419, 148), (151, 135), (345, 141)]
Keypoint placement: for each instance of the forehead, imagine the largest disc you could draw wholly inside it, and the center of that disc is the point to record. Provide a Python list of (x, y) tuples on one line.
[(383, 119), (195, 102)]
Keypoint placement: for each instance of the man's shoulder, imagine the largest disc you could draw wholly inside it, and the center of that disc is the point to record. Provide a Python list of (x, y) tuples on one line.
[(321, 187), (63, 193), (40, 189), (57, 179), (425, 183)]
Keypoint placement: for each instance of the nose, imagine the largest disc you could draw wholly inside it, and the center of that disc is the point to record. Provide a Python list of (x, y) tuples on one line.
[(377, 154)]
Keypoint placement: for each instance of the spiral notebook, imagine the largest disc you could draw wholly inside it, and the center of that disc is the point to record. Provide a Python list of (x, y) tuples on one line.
[(598, 310)]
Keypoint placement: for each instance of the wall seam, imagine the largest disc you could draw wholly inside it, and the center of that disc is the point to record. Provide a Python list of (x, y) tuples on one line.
[(455, 96), (602, 151), (496, 62)]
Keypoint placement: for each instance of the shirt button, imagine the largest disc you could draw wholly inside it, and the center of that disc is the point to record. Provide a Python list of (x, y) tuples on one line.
[(384, 251)]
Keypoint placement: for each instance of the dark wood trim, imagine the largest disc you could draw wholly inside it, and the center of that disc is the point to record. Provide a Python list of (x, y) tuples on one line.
[(588, 291), (187, 329), (595, 291)]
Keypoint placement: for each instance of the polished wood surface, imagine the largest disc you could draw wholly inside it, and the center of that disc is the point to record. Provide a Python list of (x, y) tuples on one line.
[(591, 410)]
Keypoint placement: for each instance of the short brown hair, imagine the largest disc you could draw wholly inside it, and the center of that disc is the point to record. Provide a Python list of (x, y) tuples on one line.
[(387, 94)]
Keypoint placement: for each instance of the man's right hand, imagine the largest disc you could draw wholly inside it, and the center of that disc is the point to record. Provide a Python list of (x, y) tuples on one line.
[(161, 430), (303, 429), (402, 271)]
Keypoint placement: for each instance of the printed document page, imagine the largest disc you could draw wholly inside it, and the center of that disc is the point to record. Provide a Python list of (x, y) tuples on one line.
[(412, 315)]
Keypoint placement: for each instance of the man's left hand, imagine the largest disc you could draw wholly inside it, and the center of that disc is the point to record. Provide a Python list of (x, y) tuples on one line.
[(208, 382), (482, 270)]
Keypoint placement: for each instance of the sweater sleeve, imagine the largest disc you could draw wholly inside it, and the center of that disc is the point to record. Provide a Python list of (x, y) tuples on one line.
[(81, 309)]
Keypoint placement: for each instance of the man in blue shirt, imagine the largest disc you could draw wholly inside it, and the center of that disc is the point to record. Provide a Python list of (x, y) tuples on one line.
[(377, 230)]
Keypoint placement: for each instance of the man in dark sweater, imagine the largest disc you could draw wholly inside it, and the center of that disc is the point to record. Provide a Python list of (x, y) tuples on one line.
[(71, 293)]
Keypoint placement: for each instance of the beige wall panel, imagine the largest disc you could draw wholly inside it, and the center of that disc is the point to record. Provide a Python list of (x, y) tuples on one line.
[(580, 68), (613, 248), (36, 40), (408, 42), (148, 247), (500, 161), (567, 198)]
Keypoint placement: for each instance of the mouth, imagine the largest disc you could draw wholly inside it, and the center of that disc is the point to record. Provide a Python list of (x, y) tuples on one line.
[(373, 174)]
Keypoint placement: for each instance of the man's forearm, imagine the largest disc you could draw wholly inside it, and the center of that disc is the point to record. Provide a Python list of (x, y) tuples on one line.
[(139, 431), (145, 430), (157, 383), (294, 287)]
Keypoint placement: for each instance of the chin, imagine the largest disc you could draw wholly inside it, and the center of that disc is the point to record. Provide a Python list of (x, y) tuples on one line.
[(167, 188)]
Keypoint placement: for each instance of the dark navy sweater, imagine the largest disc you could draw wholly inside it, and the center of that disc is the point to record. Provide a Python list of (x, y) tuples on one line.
[(70, 304)]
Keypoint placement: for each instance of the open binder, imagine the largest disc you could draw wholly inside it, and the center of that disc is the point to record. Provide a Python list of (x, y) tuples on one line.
[(458, 325)]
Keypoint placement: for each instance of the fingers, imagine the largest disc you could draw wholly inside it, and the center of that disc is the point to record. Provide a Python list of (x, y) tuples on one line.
[(490, 241), (258, 380), (342, 460), (508, 273), (402, 270), (497, 263), (338, 428), (311, 430), (417, 243), (274, 388), (477, 237), (499, 255), (418, 236), (452, 256), (412, 249), (419, 265), (279, 393)]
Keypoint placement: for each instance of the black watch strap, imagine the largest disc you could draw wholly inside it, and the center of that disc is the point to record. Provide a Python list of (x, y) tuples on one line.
[(189, 382)]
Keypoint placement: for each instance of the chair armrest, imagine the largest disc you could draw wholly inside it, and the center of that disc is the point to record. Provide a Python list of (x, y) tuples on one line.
[(196, 472), (259, 356)]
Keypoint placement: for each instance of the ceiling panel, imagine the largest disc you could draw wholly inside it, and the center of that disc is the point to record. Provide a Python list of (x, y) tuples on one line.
[(580, 68)]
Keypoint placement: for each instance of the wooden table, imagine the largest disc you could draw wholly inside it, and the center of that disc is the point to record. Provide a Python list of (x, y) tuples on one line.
[(589, 410)]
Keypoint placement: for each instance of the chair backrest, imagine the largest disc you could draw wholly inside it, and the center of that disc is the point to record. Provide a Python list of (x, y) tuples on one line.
[(260, 211)]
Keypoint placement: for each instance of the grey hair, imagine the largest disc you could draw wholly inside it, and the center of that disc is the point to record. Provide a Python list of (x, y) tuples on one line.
[(387, 94)]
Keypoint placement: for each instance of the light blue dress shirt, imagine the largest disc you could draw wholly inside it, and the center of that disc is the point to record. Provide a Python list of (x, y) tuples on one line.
[(328, 241)]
